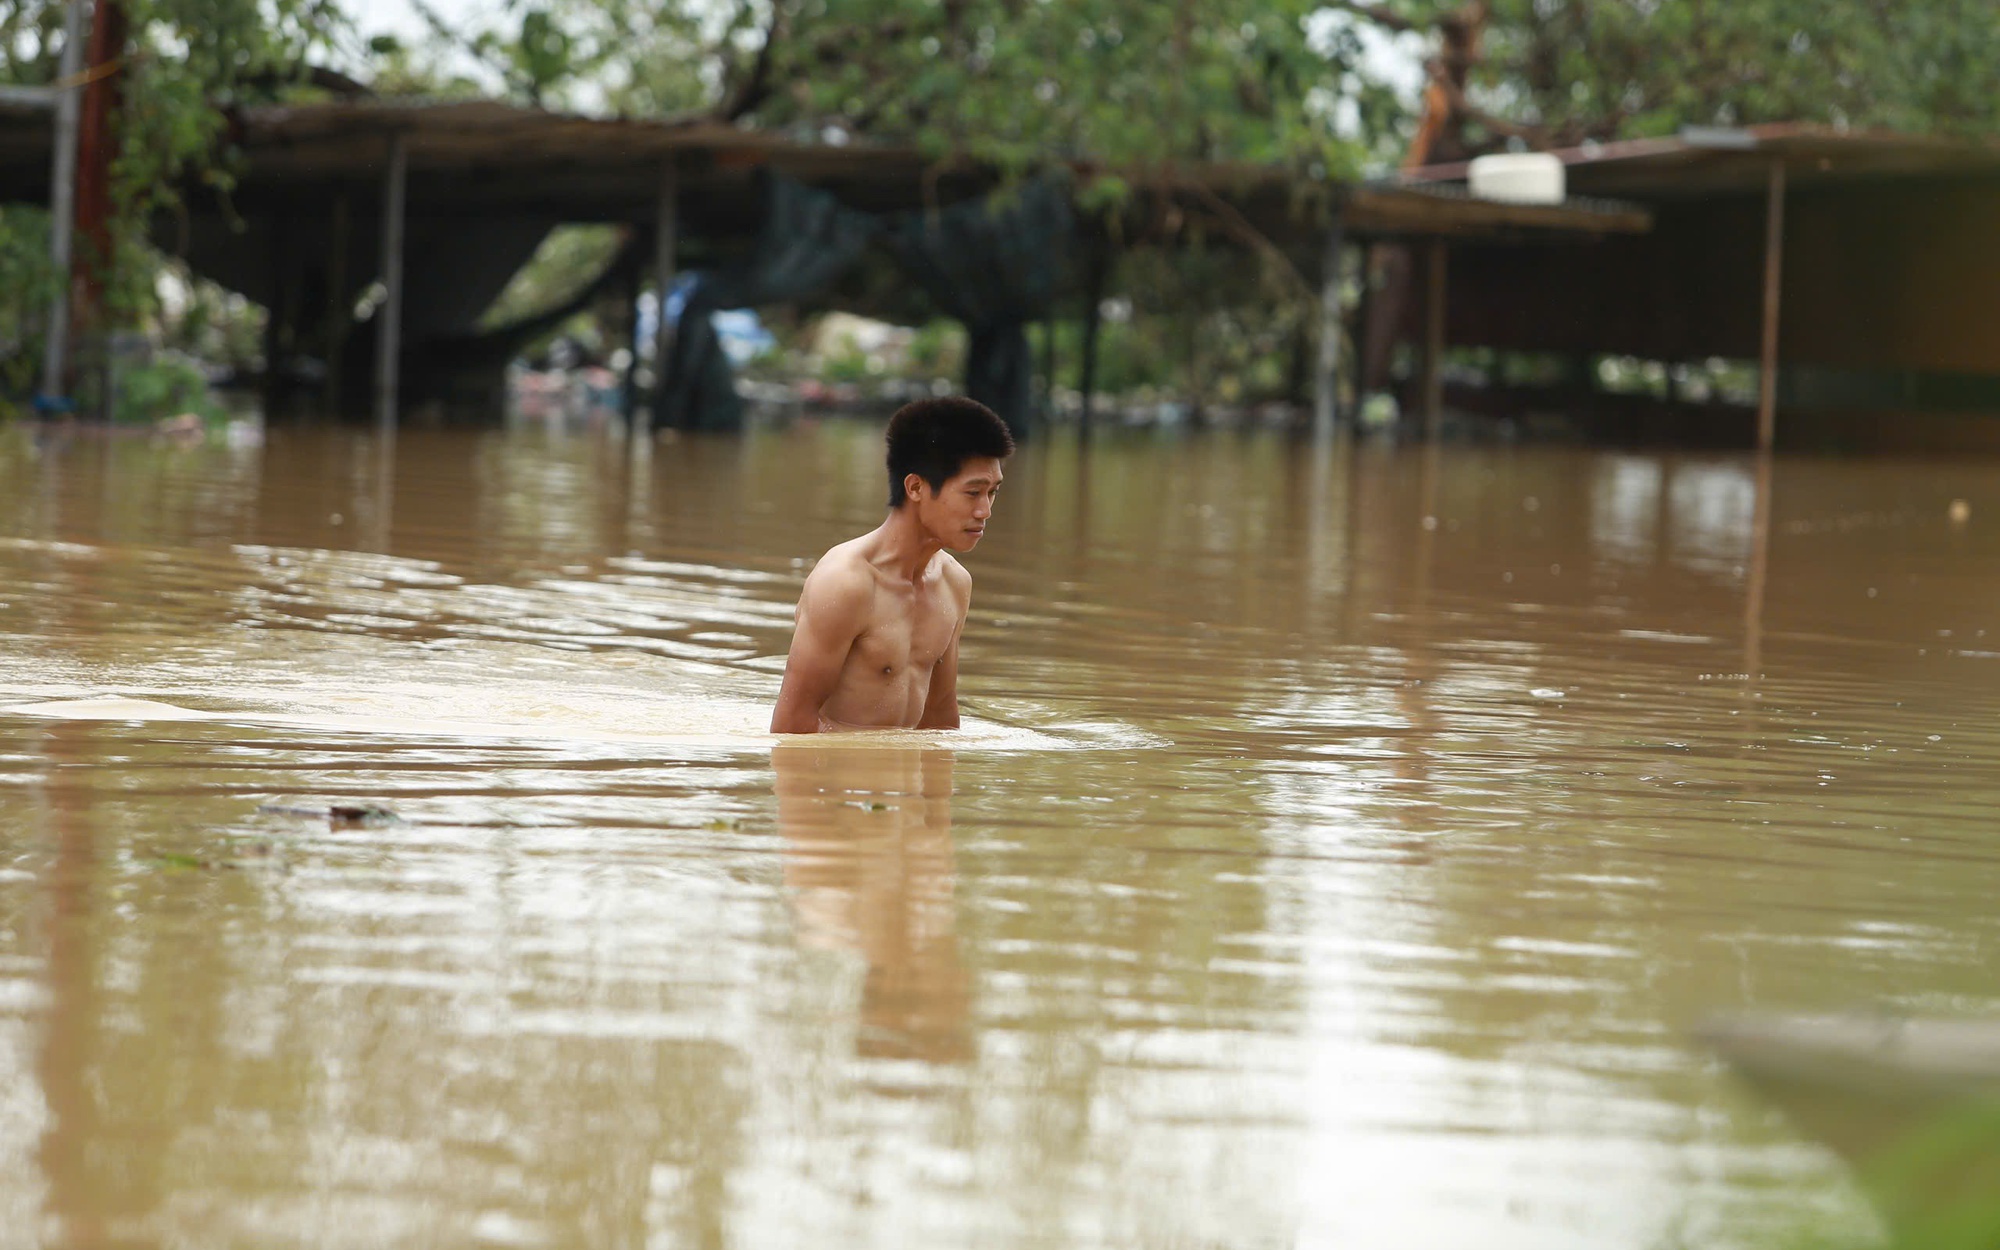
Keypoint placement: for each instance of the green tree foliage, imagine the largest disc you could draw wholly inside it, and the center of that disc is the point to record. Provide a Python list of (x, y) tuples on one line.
[(542, 52), (1125, 82), (26, 285), (187, 59), (1137, 82), (1552, 73), (185, 62), (565, 262), (1602, 69), (1015, 82)]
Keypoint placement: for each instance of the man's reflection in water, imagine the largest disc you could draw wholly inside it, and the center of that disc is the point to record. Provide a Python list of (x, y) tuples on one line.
[(868, 867)]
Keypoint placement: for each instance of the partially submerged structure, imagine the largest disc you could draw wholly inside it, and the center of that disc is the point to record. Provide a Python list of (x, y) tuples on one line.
[(442, 202), (1860, 266)]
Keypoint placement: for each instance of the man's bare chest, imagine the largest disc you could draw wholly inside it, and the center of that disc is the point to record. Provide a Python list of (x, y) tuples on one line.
[(910, 629)]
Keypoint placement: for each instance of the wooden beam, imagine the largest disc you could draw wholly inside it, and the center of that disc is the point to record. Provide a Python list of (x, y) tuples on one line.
[(1433, 375), (666, 239), (1774, 256), (389, 317), (1326, 374)]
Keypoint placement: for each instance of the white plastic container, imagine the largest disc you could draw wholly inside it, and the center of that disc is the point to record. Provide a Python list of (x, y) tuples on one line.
[(1516, 177)]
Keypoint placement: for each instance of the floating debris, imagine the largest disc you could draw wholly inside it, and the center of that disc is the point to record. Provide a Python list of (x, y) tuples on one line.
[(1960, 512), (340, 815)]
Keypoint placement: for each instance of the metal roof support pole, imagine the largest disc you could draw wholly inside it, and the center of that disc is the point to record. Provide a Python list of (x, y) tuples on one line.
[(339, 305), (1049, 365), (1759, 575), (628, 384), (389, 317), (1774, 257), (1364, 311), (1433, 375), (1097, 270), (278, 309), (62, 201), (1326, 377), (666, 240)]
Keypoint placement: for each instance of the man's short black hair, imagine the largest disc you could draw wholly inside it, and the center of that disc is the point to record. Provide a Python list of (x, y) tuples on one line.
[(933, 438)]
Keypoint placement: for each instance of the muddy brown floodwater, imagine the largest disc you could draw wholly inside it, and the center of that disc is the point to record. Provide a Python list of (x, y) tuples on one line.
[(1342, 845)]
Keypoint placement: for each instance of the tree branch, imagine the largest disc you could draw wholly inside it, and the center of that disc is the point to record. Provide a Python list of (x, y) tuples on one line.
[(1374, 13), (790, 67), (757, 88), (1239, 227)]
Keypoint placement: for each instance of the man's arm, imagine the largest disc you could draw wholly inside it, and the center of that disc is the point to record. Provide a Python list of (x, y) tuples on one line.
[(833, 610), (941, 700), (941, 703)]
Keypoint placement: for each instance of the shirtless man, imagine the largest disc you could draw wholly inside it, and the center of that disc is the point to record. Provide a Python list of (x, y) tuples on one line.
[(876, 641)]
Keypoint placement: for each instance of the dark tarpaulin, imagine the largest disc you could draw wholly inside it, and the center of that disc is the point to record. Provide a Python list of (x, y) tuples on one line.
[(995, 264), (807, 240)]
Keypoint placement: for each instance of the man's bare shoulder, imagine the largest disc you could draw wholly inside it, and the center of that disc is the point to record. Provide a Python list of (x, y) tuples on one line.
[(846, 559), (843, 577), (955, 576)]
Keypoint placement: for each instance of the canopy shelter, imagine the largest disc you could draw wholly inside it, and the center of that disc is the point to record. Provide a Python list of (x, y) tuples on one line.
[(441, 202), (1857, 267)]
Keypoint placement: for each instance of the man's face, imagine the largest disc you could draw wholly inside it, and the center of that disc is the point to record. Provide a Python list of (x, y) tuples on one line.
[(956, 513)]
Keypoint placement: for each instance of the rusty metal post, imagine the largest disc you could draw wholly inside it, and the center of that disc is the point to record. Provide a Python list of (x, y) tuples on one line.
[(1433, 374), (90, 267), (389, 317), (1774, 256), (62, 204)]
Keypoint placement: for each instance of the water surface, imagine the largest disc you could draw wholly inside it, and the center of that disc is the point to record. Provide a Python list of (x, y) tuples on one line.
[(1343, 841)]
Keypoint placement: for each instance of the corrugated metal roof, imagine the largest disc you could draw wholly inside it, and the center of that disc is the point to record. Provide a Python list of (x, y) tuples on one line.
[(1447, 209), (1702, 161), (481, 156)]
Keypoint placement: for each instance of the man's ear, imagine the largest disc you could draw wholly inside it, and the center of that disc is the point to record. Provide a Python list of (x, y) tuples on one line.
[(914, 485)]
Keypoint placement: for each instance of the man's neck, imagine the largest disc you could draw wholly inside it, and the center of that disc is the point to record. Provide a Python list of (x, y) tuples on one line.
[(902, 547)]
